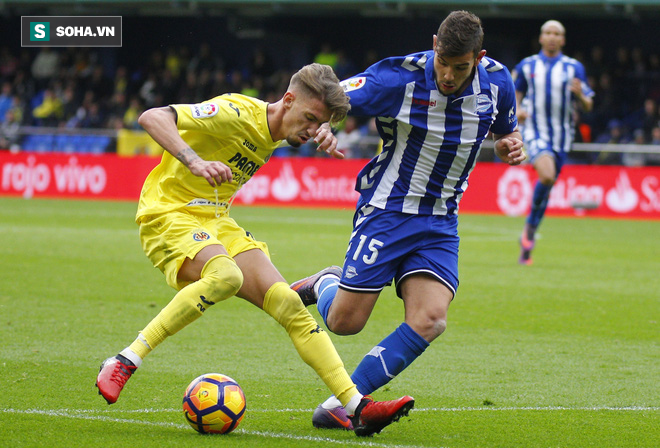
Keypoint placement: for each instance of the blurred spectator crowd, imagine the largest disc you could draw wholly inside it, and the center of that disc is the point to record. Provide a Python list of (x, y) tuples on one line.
[(72, 88), (627, 96)]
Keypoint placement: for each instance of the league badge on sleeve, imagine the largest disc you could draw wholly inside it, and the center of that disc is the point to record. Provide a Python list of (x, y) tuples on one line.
[(354, 83), (205, 110)]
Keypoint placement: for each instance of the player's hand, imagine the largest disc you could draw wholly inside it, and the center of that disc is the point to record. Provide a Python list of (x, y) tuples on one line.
[(510, 150), (214, 172), (576, 87), (576, 90), (327, 141)]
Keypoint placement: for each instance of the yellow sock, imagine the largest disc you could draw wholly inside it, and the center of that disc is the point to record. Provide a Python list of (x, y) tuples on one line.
[(220, 279), (312, 343)]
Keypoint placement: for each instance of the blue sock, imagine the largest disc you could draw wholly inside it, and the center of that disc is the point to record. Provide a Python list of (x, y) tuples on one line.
[(389, 358), (327, 292), (539, 204)]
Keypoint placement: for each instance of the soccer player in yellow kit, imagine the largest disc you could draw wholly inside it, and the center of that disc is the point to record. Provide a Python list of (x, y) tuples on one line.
[(211, 150)]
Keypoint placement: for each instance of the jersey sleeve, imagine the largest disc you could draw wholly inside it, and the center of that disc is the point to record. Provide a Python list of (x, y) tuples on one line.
[(519, 80), (375, 92), (581, 73), (213, 116), (506, 120)]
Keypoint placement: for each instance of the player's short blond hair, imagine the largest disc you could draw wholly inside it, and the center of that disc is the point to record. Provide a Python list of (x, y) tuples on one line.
[(555, 23), (320, 81)]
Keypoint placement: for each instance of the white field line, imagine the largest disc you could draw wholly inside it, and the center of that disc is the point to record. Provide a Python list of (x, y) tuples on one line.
[(415, 410), (84, 415), (92, 414)]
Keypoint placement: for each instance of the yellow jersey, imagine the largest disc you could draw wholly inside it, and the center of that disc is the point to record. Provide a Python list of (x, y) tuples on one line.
[(230, 128)]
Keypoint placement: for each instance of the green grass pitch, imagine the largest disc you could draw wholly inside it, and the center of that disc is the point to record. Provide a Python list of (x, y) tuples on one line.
[(564, 353)]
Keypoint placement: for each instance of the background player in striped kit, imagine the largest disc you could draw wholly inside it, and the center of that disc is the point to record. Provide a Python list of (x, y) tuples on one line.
[(434, 109), (548, 85)]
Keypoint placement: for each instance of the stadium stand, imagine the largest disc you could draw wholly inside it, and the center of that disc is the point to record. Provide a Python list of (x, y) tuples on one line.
[(78, 90)]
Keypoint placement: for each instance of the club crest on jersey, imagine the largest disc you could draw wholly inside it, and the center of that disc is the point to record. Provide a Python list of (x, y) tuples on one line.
[(203, 110), (483, 102), (354, 83), (201, 236)]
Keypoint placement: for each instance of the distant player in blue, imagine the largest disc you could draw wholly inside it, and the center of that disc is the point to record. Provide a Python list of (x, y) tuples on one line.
[(434, 109), (548, 86)]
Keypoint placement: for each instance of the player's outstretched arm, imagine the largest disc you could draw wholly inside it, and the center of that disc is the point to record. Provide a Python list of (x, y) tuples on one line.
[(160, 123), (509, 148)]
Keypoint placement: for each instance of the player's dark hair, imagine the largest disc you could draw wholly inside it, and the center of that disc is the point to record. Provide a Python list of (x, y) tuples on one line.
[(320, 81), (460, 33)]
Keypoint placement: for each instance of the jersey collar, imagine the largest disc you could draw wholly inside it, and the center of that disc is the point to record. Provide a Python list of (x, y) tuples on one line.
[(550, 58)]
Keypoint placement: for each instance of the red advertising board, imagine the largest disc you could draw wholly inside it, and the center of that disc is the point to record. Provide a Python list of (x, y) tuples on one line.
[(73, 176), (604, 191), (596, 190), (304, 182)]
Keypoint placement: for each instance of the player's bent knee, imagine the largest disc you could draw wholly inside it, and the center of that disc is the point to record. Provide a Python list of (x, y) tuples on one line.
[(290, 306), (547, 181), (343, 325), (428, 325), (283, 304), (223, 276), (432, 329), (439, 326)]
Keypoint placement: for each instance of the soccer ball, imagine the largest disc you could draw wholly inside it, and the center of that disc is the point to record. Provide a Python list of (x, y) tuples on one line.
[(214, 403)]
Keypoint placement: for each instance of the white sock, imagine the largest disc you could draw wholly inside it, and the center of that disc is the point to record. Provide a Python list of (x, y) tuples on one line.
[(353, 404), (331, 403), (131, 356), (318, 282)]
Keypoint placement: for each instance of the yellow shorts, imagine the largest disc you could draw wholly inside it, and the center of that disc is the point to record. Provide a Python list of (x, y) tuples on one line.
[(170, 238)]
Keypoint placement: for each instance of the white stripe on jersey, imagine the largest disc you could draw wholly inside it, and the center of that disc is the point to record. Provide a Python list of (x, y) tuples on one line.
[(428, 155), (386, 184), (567, 120), (391, 174), (538, 87), (556, 81), (406, 106)]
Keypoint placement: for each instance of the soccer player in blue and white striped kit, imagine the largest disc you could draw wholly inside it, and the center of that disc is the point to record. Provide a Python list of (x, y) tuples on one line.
[(434, 109), (548, 86)]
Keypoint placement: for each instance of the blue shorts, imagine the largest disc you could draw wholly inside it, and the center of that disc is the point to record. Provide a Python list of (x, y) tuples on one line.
[(538, 147), (388, 245)]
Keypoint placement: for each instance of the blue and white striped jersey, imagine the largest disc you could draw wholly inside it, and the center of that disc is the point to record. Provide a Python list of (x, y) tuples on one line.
[(545, 82), (430, 141)]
